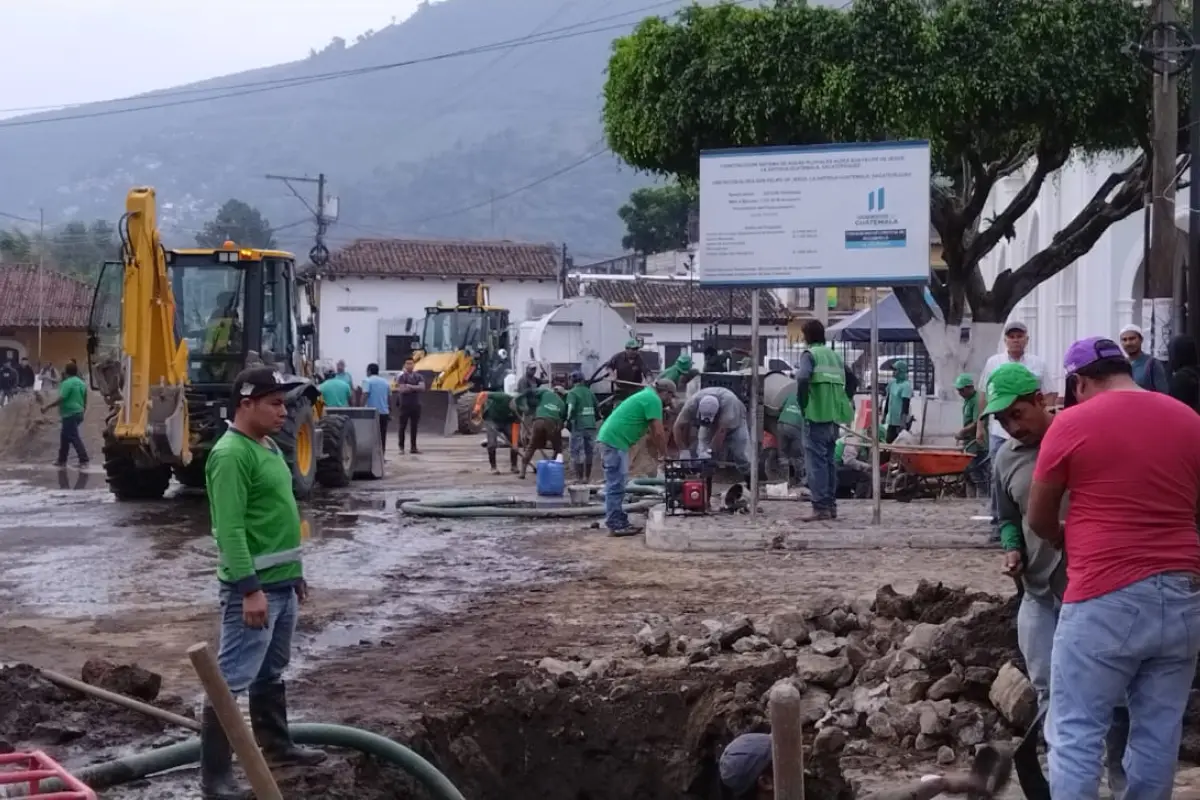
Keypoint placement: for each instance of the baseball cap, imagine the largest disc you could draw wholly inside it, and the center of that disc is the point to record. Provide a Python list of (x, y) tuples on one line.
[(665, 385), (261, 381), (1008, 382), (1015, 325), (707, 409), (964, 380), (744, 760), (1090, 350), (633, 344)]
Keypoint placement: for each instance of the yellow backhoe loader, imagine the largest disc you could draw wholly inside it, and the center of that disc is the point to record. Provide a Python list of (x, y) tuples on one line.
[(464, 349), (189, 321)]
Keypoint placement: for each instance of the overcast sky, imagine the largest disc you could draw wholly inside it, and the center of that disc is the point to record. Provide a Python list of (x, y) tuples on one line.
[(60, 52)]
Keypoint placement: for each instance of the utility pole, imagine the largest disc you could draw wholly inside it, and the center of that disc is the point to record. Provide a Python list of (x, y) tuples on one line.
[(41, 278), (1193, 255), (319, 254), (1164, 136)]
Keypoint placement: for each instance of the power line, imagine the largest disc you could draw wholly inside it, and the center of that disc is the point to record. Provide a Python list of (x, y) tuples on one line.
[(239, 90)]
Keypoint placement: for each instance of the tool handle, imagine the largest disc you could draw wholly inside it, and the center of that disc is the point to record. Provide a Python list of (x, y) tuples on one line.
[(236, 729)]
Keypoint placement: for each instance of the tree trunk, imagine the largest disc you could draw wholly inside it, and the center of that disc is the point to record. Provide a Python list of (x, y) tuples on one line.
[(951, 356)]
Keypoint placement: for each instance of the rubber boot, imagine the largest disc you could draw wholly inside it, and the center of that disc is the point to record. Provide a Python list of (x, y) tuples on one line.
[(268, 719), (492, 462), (513, 457), (216, 762)]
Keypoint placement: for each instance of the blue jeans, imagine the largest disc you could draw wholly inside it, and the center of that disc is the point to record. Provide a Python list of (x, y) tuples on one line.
[(994, 445), (256, 656), (736, 448), (69, 437), (1136, 645), (616, 472), (583, 442), (1037, 619), (819, 446)]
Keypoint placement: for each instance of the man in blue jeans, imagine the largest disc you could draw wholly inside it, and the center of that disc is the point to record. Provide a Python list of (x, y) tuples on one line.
[(1129, 628), (642, 411), (256, 525), (823, 388), (71, 403)]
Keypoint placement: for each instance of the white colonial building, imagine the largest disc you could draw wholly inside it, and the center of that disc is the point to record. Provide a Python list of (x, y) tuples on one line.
[(1099, 293), (373, 293)]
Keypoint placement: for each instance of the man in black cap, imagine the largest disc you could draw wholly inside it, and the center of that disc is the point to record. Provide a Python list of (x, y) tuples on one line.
[(745, 769), (256, 524)]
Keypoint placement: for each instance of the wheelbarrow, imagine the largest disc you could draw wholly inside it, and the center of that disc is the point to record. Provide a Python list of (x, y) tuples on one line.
[(928, 471)]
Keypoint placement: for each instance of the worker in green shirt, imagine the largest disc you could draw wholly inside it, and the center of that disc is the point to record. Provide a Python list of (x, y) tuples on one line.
[(823, 387), (979, 471), (256, 525), (498, 413), (898, 401), (789, 434), (581, 422), (71, 403), (549, 412), (335, 391), (625, 426), (681, 367)]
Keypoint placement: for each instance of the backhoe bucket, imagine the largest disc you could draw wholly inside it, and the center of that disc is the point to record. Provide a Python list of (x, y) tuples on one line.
[(439, 413)]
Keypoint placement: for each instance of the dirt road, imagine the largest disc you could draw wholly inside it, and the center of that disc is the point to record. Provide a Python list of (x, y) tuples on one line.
[(428, 629)]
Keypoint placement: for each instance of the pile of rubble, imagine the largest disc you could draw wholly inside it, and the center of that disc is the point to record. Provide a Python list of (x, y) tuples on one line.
[(937, 672), (35, 712)]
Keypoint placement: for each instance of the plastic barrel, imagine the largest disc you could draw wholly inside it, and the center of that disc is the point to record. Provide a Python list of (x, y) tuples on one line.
[(551, 478)]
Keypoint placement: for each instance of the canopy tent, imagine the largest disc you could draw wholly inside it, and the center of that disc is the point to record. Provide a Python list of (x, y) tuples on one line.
[(894, 324)]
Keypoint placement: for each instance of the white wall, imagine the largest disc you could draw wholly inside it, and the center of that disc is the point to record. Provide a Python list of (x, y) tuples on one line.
[(1096, 295), (352, 310)]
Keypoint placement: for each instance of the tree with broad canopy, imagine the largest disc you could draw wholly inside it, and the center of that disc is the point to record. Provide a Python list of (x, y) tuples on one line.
[(656, 218), (999, 88), (239, 222)]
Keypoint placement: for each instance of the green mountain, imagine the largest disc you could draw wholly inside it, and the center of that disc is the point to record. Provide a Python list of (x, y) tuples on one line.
[(417, 150)]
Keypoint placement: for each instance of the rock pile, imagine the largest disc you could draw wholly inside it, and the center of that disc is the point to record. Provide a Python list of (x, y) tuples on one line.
[(937, 671)]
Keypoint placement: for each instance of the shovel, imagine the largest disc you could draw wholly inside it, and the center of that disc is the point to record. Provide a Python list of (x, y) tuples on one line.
[(995, 765)]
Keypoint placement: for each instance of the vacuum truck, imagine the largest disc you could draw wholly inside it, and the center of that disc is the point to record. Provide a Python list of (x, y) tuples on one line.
[(582, 333)]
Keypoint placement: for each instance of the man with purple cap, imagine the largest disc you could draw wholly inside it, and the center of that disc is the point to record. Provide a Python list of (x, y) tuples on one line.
[(746, 772), (1129, 628)]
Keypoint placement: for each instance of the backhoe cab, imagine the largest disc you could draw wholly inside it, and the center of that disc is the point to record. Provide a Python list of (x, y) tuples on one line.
[(464, 349), (191, 319)]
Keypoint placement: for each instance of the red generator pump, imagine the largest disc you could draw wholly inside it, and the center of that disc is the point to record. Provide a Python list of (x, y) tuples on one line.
[(687, 485)]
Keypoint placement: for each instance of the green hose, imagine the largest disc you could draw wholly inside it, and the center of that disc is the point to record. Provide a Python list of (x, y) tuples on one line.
[(649, 488), (141, 765)]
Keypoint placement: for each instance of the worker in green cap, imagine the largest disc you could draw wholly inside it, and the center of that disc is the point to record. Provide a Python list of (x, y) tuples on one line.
[(1016, 401), (898, 400), (628, 371), (979, 473), (681, 367)]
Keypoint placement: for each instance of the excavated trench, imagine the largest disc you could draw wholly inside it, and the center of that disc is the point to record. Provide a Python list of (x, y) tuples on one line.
[(919, 678)]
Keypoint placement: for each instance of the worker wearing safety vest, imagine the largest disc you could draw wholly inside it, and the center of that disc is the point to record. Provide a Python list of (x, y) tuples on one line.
[(823, 387), (256, 524)]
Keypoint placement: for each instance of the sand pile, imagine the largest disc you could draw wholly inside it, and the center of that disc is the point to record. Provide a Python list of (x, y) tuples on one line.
[(27, 435)]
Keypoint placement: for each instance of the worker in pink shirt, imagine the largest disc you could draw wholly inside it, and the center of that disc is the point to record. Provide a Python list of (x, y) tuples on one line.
[(1129, 628)]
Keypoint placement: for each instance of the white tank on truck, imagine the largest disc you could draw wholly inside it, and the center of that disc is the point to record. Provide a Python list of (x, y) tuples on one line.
[(582, 333)]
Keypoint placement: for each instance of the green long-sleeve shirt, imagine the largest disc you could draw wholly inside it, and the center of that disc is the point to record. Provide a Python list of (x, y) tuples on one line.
[(255, 520)]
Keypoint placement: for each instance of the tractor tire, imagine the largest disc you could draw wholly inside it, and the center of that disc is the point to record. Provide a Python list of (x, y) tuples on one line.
[(295, 440), (192, 476), (335, 468), (465, 403), (127, 481)]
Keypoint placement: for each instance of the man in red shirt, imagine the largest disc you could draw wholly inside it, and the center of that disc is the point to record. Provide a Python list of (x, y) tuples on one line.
[(1129, 628)]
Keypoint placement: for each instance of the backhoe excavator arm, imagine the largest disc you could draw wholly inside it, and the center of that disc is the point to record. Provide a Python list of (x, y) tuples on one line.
[(153, 410)]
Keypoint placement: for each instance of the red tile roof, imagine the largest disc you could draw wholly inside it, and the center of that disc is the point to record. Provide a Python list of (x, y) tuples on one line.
[(66, 302), (673, 300), (416, 258)]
